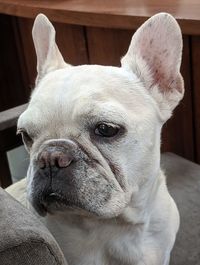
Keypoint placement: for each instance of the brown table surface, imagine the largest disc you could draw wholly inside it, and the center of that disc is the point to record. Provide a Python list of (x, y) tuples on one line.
[(127, 14)]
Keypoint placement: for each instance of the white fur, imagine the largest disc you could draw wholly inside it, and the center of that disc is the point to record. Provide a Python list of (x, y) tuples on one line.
[(144, 230)]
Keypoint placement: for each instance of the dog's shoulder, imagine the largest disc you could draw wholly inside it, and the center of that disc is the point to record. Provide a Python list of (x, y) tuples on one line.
[(18, 191)]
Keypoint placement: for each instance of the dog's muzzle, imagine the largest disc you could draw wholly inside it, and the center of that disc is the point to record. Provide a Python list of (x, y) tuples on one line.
[(67, 177), (54, 165)]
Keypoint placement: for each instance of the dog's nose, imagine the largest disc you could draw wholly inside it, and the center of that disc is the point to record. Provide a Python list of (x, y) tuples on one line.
[(54, 157)]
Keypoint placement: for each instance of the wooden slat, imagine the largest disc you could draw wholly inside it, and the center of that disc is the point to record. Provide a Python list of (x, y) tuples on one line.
[(22, 65), (12, 89), (195, 43), (107, 46), (178, 133), (27, 50), (72, 44), (127, 14), (9, 117)]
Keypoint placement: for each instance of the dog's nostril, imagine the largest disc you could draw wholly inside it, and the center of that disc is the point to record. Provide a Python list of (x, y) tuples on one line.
[(43, 160), (64, 161), (54, 159), (60, 159)]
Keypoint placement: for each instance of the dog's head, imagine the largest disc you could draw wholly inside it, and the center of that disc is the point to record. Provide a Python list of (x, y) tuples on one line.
[(93, 132)]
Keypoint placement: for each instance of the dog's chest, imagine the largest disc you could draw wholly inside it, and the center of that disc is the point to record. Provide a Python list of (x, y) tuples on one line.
[(87, 243)]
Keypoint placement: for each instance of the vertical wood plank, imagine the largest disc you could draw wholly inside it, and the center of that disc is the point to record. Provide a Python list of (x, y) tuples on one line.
[(12, 91), (106, 46), (27, 51), (72, 43), (195, 46), (178, 132)]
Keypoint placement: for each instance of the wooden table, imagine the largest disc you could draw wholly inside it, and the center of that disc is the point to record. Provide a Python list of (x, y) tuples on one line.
[(126, 14), (99, 32)]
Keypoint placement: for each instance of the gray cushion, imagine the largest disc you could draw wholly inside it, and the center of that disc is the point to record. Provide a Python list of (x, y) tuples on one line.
[(23, 238), (183, 178)]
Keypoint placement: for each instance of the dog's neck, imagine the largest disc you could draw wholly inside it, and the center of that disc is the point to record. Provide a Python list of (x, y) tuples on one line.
[(142, 201), (128, 227)]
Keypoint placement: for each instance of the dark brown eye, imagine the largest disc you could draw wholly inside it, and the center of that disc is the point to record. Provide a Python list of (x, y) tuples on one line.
[(106, 130), (28, 141)]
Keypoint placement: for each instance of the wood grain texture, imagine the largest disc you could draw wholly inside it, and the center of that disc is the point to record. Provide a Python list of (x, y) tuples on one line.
[(27, 51), (72, 43), (127, 14), (195, 44), (107, 46), (12, 89), (178, 132)]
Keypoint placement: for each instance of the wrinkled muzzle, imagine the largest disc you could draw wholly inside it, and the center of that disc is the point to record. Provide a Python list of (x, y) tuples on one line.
[(66, 177)]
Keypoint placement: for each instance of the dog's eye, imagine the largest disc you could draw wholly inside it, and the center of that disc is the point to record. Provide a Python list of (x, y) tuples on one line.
[(106, 130), (28, 141)]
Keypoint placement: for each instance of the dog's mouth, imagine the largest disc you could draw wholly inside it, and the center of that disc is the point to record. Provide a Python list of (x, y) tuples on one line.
[(52, 202), (83, 193)]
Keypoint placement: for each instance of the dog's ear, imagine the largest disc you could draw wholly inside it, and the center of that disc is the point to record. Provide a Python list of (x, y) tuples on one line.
[(49, 57), (154, 55)]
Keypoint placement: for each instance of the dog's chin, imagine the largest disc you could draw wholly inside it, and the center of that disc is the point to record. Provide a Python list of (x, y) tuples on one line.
[(48, 208), (59, 205), (56, 204)]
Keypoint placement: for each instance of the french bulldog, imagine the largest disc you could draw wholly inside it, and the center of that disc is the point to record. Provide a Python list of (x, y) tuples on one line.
[(93, 134)]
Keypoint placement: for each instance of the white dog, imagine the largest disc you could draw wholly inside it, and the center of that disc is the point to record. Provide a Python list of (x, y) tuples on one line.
[(93, 133)]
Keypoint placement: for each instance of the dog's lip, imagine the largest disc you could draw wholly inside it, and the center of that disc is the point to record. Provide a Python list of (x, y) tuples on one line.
[(42, 203), (53, 206), (54, 202), (53, 196), (40, 208)]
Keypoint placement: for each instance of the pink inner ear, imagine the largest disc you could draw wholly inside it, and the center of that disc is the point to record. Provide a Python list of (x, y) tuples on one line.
[(159, 61), (154, 55), (159, 44)]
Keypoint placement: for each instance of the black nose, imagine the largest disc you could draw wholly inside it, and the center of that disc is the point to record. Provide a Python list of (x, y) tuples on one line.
[(54, 156)]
